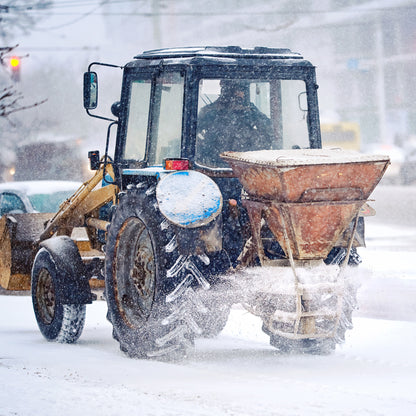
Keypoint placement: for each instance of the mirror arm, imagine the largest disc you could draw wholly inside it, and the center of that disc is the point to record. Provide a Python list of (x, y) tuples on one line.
[(106, 152), (100, 117), (103, 64)]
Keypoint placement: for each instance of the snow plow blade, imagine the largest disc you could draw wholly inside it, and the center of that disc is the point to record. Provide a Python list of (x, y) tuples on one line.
[(19, 234), (308, 197)]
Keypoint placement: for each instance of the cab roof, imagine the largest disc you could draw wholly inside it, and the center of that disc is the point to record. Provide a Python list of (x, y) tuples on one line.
[(220, 51), (220, 55)]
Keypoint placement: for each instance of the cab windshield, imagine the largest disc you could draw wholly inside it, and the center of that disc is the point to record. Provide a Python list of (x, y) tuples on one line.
[(245, 114)]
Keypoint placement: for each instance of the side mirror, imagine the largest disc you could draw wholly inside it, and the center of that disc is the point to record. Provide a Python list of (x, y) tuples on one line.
[(94, 157), (90, 90)]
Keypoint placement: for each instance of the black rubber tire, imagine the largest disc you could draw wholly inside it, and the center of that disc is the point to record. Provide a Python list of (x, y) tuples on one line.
[(216, 301), (140, 253), (323, 346), (319, 346), (338, 254), (57, 322), (214, 320)]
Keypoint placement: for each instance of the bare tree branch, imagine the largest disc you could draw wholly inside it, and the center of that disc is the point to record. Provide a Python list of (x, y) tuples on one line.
[(9, 96), (10, 102), (17, 16)]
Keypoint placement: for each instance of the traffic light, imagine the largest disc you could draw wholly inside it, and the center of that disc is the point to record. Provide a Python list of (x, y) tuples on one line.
[(15, 67)]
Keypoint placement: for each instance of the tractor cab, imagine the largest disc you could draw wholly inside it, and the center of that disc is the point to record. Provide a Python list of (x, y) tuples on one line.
[(192, 104)]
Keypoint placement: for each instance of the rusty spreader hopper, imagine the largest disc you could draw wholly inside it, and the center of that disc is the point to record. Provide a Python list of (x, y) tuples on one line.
[(308, 198)]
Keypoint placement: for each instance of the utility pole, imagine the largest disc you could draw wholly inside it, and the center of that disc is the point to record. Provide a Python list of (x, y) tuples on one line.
[(156, 23), (381, 93), (3, 9)]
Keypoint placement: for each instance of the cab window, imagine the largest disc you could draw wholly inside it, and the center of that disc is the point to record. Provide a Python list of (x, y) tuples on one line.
[(138, 115), (166, 131), (249, 114), (164, 100)]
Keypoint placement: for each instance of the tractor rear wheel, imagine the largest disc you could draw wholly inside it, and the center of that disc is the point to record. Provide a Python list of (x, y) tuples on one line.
[(150, 303), (320, 345), (317, 346), (57, 321)]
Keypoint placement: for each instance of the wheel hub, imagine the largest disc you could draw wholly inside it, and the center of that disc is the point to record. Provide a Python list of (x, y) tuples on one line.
[(135, 272), (45, 296)]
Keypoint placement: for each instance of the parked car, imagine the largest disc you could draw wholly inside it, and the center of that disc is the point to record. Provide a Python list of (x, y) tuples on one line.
[(34, 196)]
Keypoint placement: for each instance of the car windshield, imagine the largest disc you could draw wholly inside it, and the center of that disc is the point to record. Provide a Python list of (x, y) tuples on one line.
[(247, 114), (49, 202)]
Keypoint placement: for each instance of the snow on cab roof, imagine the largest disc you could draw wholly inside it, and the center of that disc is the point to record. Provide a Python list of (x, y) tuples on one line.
[(220, 51)]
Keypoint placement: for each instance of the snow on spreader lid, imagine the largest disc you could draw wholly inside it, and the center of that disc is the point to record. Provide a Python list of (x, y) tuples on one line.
[(301, 157)]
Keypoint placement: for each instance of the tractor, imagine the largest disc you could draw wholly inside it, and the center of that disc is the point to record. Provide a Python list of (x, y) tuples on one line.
[(217, 193)]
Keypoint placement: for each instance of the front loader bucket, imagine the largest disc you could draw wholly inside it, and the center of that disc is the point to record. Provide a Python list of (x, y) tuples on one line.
[(18, 236), (308, 197)]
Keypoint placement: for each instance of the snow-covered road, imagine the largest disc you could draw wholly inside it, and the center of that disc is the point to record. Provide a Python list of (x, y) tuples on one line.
[(237, 373), (373, 373)]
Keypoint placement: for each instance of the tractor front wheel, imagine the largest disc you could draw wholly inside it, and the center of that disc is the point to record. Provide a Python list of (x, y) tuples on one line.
[(57, 321)]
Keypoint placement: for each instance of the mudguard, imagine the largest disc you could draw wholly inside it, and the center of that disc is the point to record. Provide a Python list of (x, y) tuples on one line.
[(189, 199), (73, 285)]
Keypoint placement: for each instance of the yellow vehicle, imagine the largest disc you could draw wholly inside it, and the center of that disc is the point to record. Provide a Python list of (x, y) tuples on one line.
[(345, 135), (22, 234)]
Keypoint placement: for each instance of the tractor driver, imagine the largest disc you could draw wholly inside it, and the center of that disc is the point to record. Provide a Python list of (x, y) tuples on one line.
[(233, 123)]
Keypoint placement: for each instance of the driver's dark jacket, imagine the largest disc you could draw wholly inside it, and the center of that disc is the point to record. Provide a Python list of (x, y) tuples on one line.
[(222, 127)]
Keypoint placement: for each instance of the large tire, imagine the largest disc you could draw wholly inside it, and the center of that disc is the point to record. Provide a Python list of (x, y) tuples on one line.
[(337, 256), (324, 345), (57, 321), (217, 301), (320, 345), (214, 320), (149, 290)]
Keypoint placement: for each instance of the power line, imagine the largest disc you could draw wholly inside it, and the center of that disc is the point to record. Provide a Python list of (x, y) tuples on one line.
[(233, 13), (79, 3), (71, 22), (58, 48), (64, 5), (41, 11)]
